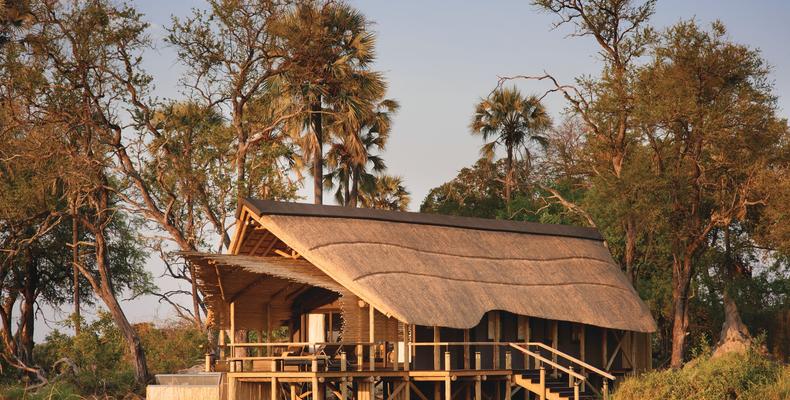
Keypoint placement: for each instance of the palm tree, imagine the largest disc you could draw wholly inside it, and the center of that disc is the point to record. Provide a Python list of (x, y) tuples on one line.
[(387, 193), (350, 158), (512, 121), (330, 51)]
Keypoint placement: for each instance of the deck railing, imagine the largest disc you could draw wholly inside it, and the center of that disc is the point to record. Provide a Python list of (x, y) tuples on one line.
[(317, 357)]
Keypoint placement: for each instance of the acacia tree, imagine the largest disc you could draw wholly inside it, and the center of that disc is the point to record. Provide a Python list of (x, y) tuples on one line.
[(605, 104), (707, 110)]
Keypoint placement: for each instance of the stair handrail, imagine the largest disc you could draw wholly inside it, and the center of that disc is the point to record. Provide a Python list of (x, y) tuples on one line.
[(574, 360), (547, 361)]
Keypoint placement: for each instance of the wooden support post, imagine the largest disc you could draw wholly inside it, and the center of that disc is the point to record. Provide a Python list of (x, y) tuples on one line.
[(293, 391), (222, 344), (358, 351), (395, 355), (406, 348), (436, 339), (554, 343), (542, 383), (497, 336), (231, 387), (570, 377), (508, 388), (605, 390), (604, 350), (508, 360), (268, 328), (448, 391), (318, 389), (466, 349), (207, 366), (372, 322), (407, 389), (437, 391), (343, 368), (583, 351), (447, 365), (478, 384), (275, 389), (576, 391)]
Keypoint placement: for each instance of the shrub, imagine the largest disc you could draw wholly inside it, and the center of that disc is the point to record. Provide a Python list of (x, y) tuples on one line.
[(732, 376)]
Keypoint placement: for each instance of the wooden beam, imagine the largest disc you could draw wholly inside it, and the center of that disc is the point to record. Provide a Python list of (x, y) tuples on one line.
[(260, 242)]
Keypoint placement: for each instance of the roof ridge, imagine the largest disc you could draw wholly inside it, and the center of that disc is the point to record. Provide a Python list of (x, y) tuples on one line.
[(261, 207)]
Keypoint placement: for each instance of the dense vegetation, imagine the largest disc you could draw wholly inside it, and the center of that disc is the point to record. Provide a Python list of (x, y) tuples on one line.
[(675, 151)]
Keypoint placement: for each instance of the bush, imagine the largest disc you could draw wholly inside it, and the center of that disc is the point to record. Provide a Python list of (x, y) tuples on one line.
[(732, 376), (103, 365)]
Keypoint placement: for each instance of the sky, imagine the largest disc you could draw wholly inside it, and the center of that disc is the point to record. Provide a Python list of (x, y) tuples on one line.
[(441, 57)]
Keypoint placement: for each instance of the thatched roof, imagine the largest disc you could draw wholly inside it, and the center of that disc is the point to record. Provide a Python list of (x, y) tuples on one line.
[(448, 271)]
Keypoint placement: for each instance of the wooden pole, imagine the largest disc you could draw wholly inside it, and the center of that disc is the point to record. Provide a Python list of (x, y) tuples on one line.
[(436, 339), (233, 335), (268, 328), (406, 348), (275, 389), (231, 387), (372, 321), (583, 351), (478, 384), (448, 391), (497, 335), (466, 348), (343, 384), (554, 343)]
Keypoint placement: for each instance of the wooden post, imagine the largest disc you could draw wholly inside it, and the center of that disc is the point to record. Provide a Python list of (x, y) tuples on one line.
[(293, 391), (343, 384), (554, 344), (604, 350), (268, 328), (527, 338), (576, 391), (508, 360), (231, 387), (466, 348), (605, 389), (497, 336), (570, 377), (478, 384), (542, 383), (436, 339), (437, 391), (448, 391), (221, 344), (583, 351), (407, 389), (358, 350), (275, 391), (316, 387), (372, 322), (395, 352), (207, 366), (406, 347)]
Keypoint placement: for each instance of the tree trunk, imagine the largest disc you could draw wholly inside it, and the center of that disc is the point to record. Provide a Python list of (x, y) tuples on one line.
[(75, 258), (681, 283), (630, 250), (27, 311), (508, 178), (354, 187), (105, 292), (318, 153)]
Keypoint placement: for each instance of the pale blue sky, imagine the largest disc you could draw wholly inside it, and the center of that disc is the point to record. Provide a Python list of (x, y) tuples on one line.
[(440, 57)]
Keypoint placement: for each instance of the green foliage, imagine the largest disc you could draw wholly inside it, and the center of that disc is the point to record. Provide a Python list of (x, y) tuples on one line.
[(733, 376), (100, 357)]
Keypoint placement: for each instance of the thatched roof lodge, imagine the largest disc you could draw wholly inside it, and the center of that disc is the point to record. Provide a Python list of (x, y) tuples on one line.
[(396, 290)]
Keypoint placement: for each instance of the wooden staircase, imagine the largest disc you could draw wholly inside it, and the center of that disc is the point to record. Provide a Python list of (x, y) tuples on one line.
[(567, 383), (557, 388)]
